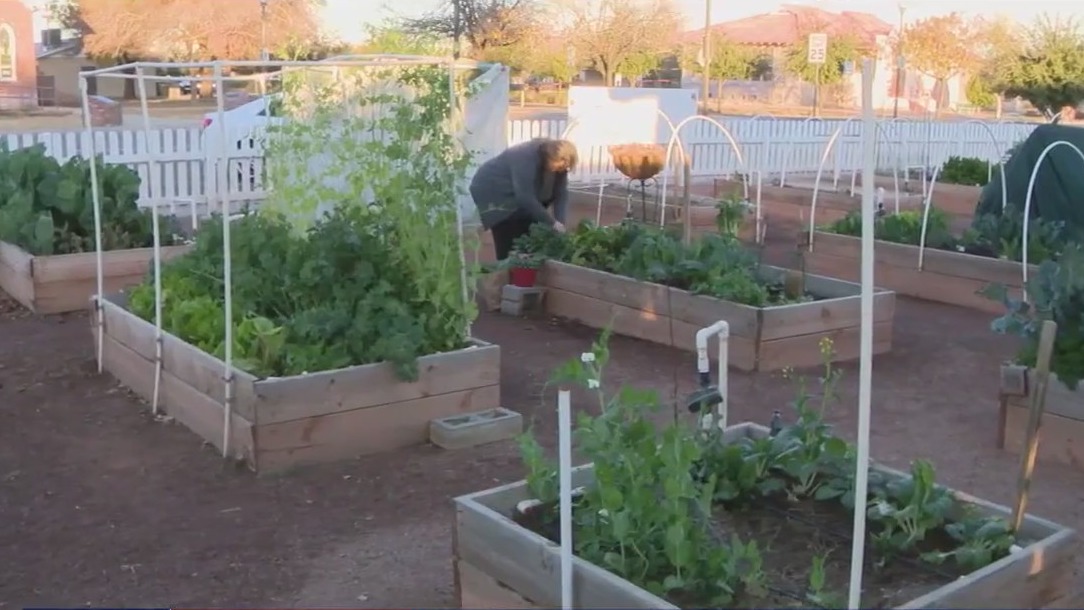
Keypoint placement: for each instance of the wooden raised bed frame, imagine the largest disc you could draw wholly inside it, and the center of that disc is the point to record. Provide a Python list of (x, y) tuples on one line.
[(281, 423), (946, 277), (500, 564), (66, 282), (761, 338), (1062, 430)]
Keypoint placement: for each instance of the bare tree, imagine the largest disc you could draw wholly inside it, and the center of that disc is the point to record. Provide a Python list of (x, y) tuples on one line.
[(485, 25), (609, 32)]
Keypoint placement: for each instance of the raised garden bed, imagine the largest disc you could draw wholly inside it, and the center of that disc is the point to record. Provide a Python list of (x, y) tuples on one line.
[(66, 282), (284, 422), (501, 564), (948, 277), (1061, 435), (761, 338), (793, 204)]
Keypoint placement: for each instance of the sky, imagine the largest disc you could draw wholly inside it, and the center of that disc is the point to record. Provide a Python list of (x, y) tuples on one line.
[(349, 17)]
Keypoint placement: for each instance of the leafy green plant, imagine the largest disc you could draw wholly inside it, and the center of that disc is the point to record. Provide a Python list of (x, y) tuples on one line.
[(338, 295), (964, 170), (522, 260), (713, 265), (46, 206), (731, 212), (1055, 292), (993, 236)]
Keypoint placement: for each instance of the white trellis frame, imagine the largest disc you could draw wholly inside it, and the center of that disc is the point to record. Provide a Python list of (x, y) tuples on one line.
[(221, 193)]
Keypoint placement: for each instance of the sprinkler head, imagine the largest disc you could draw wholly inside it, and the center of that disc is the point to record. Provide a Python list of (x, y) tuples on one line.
[(703, 399)]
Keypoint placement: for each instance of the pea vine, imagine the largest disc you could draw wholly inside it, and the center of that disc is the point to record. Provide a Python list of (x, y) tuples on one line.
[(665, 505), (355, 257)]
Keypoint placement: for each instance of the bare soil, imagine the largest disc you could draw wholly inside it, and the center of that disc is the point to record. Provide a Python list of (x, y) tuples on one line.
[(103, 505)]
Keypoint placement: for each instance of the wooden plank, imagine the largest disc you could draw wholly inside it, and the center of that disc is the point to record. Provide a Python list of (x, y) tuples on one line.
[(620, 290), (1060, 400), (824, 316), (84, 265), (530, 565), (1061, 438), (970, 266), (909, 282), (643, 325), (349, 434), (480, 590), (187, 362), (702, 311), (66, 282), (197, 412), (15, 274), (804, 350), (284, 399)]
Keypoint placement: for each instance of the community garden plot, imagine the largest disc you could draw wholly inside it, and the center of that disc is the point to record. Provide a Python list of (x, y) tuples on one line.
[(335, 322)]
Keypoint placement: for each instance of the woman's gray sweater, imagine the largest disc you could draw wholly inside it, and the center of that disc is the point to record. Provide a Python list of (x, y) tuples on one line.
[(513, 180)]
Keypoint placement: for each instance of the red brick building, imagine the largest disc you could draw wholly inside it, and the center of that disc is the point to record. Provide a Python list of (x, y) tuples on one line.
[(18, 63)]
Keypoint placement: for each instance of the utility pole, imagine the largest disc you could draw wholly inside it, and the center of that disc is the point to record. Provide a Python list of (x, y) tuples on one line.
[(901, 64), (264, 54), (457, 33), (706, 50)]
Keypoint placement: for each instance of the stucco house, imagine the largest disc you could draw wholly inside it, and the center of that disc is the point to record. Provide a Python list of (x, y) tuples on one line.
[(18, 65), (773, 34)]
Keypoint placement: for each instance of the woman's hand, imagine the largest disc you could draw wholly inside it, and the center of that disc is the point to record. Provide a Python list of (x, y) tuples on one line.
[(559, 227)]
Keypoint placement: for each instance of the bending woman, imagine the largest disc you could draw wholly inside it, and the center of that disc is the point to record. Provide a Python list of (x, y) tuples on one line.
[(524, 185)]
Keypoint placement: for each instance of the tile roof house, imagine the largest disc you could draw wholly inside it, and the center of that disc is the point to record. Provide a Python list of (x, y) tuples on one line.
[(787, 26)]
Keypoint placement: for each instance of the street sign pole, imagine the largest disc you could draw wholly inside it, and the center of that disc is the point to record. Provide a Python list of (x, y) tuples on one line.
[(816, 56)]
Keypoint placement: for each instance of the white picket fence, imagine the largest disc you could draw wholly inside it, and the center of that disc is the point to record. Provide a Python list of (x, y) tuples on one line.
[(185, 172)]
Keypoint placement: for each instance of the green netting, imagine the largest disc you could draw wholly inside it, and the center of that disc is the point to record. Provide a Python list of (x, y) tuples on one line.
[(1059, 188)]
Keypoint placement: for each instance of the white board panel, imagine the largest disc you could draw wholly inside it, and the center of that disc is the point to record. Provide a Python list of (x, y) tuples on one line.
[(603, 116)]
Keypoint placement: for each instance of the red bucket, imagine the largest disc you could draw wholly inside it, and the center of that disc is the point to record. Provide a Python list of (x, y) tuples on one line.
[(523, 278)]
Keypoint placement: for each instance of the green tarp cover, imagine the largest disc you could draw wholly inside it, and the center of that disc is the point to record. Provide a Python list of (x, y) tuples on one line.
[(1059, 188)]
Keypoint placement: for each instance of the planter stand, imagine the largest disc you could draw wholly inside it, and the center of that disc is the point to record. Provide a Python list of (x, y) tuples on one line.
[(500, 564), (1062, 430), (520, 301)]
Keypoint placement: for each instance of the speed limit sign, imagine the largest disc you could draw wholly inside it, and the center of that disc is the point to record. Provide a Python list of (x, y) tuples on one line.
[(818, 48)]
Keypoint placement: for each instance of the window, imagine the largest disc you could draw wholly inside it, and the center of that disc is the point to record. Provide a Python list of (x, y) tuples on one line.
[(7, 52)]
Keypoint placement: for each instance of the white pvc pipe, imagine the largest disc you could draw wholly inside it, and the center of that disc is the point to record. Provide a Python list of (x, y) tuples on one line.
[(676, 137), (564, 442), (720, 329), (1027, 199), (152, 178), (96, 199), (126, 71), (598, 210), (865, 377), (227, 259), (456, 121)]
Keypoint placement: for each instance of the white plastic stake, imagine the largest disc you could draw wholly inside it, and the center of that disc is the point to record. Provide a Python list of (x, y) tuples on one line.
[(564, 442), (227, 257), (96, 199), (865, 377), (152, 182)]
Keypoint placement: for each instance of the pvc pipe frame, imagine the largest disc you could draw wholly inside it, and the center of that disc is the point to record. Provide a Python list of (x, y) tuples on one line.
[(1027, 198), (865, 377), (564, 442), (138, 73), (720, 329)]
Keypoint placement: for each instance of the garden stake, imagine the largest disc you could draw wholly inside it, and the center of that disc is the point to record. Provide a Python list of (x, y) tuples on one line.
[(564, 441), (1035, 414), (152, 173), (96, 198)]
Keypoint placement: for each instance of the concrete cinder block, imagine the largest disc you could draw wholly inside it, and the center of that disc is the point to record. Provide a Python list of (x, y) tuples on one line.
[(517, 301), (473, 429)]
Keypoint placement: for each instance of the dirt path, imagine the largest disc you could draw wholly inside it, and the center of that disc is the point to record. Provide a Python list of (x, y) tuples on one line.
[(101, 505)]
